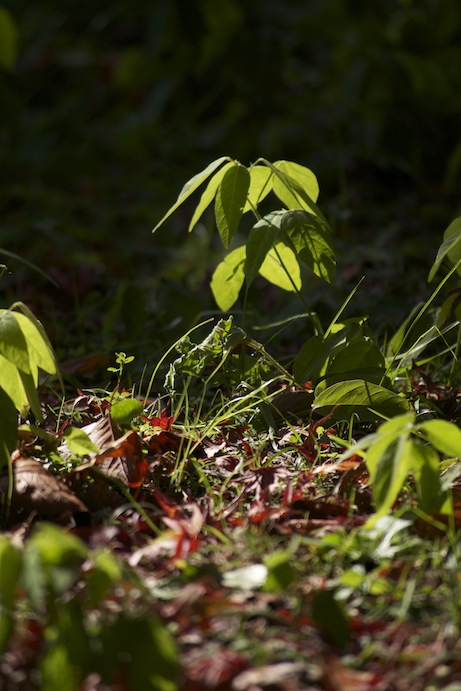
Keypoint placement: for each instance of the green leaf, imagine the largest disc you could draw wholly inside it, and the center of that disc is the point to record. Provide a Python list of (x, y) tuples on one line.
[(230, 200), (228, 279), (260, 186), (12, 384), (30, 387), (10, 569), (13, 345), (261, 239), (79, 442), (208, 195), (310, 359), (296, 178), (330, 617), (141, 651), (8, 40), (451, 247), (281, 268), (57, 557), (363, 398), (444, 435), (124, 411), (312, 241), (40, 349), (359, 359), (292, 191), (105, 573), (389, 461), (280, 572), (426, 471), (8, 428), (192, 185)]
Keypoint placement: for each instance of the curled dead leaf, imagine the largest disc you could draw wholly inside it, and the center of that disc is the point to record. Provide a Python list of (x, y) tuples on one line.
[(36, 489)]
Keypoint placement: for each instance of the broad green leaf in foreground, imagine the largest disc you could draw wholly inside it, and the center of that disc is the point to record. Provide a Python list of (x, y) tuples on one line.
[(192, 185), (40, 353), (230, 200), (13, 344), (12, 384), (228, 279), (367, 400), (426, 471), (444, 436), (389, 461)]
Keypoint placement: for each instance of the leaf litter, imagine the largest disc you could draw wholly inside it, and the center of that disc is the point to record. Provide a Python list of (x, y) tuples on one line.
[(257, 561)]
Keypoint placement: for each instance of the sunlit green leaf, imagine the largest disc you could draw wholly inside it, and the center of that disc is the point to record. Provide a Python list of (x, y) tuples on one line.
[(13, 344), (444, 435), (389, 462), (12, 384), (451, 247), (426, 470), (363, 398), (260, 186), (29, 384), (230, 200), (192, 185), (123, 412), (40, 350), (79, 442), (304, 178), (281, 268), (208, 195), (228, 279)]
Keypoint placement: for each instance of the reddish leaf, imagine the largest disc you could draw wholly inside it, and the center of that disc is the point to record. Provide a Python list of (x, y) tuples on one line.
[(124, 461), (163, 422)]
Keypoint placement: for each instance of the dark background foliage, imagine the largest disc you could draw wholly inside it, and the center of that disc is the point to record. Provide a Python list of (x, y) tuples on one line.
[(110, 107)]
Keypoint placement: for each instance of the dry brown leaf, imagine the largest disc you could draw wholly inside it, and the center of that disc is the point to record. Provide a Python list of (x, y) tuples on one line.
[(36, 489), (121, 460), (283, 675)]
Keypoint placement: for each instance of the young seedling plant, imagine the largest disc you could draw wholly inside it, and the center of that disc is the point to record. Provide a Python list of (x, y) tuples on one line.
[(350, 375)]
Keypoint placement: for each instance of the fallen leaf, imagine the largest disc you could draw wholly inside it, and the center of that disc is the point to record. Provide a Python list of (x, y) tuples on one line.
[(271, 676), (36, 489)]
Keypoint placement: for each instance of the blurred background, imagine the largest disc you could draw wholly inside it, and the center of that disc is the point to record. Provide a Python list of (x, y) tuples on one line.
[(108, 107)]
